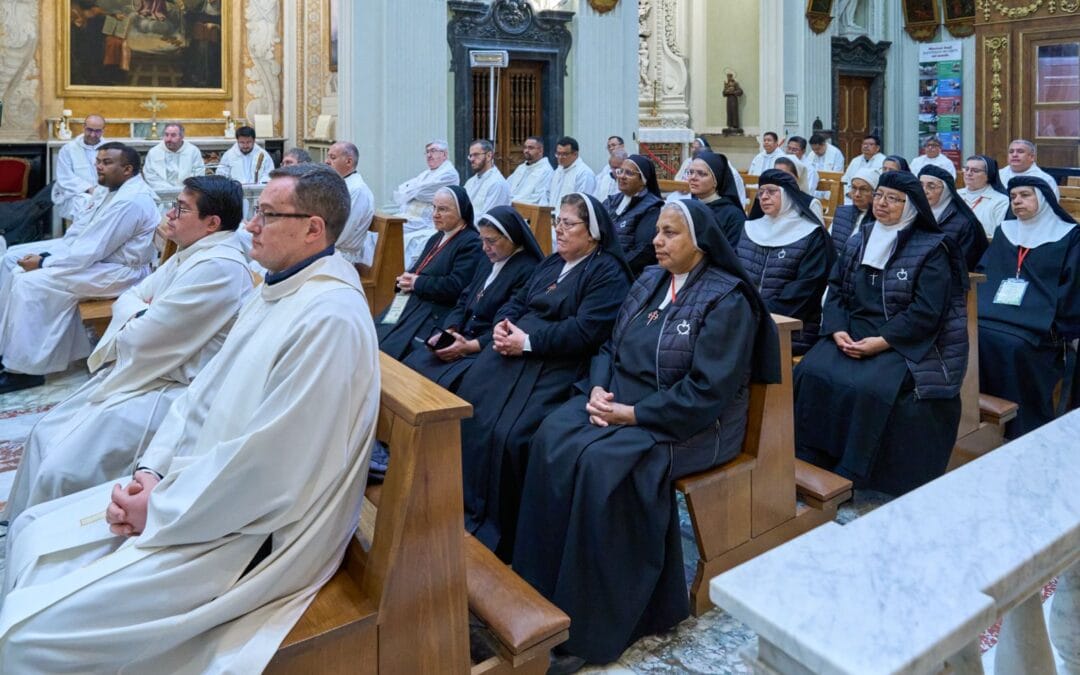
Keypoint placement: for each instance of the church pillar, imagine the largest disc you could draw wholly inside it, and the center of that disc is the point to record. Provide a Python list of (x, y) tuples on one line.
[(290, 79), (392, 87), (771, 66), (602, 60), (664, 79)]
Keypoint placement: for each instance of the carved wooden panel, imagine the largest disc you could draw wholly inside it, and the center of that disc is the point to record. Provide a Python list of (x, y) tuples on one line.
[(519, 108), (854, 114)]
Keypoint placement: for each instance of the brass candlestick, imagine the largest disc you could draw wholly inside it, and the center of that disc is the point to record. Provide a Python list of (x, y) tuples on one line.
[(153, 105)]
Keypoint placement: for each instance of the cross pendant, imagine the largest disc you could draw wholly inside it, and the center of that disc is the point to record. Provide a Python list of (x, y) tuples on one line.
[(873, 279), (653, 316)]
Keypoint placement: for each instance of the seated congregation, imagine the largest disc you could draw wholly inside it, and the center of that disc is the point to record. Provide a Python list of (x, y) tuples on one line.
[(240, 419)]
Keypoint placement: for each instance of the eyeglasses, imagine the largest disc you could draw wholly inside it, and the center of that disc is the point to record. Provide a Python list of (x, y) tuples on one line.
[(932, 187), (627, 172), (491, 241), (562, 224), (860, 190), (768, 191), (973, 169), (178, 209), (259, 216), (891, 200), (698, 173), (92, 130)]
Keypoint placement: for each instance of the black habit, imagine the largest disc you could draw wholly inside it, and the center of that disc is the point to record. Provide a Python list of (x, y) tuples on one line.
[(726, 206), (958, 220), (636, 223)]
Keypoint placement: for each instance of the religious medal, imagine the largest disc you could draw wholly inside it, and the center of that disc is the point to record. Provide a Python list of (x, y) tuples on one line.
[(653, 316), (902, 274), (553, 286), (683, 328), (782, 254)]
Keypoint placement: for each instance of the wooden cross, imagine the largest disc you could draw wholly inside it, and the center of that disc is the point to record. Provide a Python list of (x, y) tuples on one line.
[(153, 105)]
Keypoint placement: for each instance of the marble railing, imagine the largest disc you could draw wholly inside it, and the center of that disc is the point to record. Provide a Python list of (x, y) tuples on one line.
[(910, 587), (251, 195)]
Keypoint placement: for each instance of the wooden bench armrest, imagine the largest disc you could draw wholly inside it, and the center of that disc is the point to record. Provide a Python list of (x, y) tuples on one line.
[(742, 462), (515, 613), (818, 483), (996, 410), (96, 309)]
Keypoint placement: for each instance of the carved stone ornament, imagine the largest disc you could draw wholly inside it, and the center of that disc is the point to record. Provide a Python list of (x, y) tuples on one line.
[(603, 6), (513, 16), (995, 45), (819, 15)]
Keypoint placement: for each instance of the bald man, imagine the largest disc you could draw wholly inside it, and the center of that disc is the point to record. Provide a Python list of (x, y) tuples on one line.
[(354, 244), (76, 176)]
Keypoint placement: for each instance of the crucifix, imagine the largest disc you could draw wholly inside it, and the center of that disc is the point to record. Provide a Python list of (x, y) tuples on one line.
[(873, 279), (153, 105)]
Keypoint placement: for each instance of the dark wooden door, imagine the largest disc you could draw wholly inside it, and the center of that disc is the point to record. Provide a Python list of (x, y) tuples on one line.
[(519, 109), (854, 114)]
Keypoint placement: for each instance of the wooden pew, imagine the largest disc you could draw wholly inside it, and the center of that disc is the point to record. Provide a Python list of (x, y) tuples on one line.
[(982, 417), (668, 186), (400, 602), (748, 506), (831, 175), (836, 194), (387, 262), (751, 195), (539, 219), (1073, 181), (97, 313)]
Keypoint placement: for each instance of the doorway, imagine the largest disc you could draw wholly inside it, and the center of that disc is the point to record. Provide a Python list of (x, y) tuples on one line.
[(853, 113), (519, 109)]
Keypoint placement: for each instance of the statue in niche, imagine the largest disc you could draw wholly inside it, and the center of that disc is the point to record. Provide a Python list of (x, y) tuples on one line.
[(732, 92), (644, 9), (845, 12)]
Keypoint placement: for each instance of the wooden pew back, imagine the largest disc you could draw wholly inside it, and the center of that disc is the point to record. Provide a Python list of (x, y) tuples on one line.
[(387, 262), (836, 196), (668, 186), (831, 175), (539, 219)]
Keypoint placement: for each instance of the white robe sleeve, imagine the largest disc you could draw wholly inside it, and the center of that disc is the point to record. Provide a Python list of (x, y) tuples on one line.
[(252, 483), (585, 180), (225, 163), (498, 194), (198, 166), (67, 177), (361, 212), (154, 169), (101, 238)]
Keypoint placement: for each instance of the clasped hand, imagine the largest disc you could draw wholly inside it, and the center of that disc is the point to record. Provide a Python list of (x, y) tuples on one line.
[(603, 410), (859, 349), (406, 282), (509, 340), (459, 349), (126, 514), (30, 262)]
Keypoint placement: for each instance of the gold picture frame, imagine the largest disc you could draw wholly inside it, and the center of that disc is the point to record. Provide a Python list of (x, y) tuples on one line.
[(819, 14), (139, 48), (330, 33), (921, 19)]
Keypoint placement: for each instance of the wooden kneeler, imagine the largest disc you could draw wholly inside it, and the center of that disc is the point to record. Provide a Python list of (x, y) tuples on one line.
[(748, 506), (400, 602)]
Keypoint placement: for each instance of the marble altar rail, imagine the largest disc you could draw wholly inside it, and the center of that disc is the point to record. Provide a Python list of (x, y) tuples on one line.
[(909, 587)]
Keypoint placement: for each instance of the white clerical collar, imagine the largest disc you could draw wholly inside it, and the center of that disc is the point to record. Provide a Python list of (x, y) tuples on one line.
[(710, 199), (532, 164), (1046, 227)]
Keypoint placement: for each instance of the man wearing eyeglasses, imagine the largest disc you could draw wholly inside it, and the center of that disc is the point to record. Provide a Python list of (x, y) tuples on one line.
[(932, 155), (40, 328), (607, 181), (76, 178), (355, 244), (247, 495), (415, 197), (572, 174), (486, 187), (163, 331)]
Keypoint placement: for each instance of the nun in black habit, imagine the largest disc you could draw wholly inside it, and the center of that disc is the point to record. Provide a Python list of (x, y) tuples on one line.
[(711, 182), (634, 209), (894, 163), (787, 254), (1029, 306), (667, 396), (879, 400), (953, 215), (429, 291), (542, 342), (512, 254)]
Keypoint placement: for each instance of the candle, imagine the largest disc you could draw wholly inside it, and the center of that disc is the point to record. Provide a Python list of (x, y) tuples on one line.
[(226, 113), (65, 112)]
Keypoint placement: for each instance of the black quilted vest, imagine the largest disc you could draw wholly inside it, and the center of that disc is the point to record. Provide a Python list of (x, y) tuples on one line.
[(772, 268)]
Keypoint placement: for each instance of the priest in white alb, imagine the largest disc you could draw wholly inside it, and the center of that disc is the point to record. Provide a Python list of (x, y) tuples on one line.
[(163, 331), (605, 182), (932, 155), (245, 500), (172, 160), (529, 181), (486, 187), (1022, 155), (246, 161), (76, 178), (40, 328), (572, 174), (414, 198), (355, 244)]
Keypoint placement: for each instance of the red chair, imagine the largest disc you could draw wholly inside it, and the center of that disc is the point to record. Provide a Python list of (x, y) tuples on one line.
[(14, 178)]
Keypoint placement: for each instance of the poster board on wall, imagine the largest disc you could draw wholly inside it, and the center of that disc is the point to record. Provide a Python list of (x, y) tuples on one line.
[(941, 73)]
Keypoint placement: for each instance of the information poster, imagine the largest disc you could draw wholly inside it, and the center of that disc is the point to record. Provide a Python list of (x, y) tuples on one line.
[(940, 85)]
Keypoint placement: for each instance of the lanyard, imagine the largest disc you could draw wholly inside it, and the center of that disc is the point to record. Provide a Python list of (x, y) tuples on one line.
[(431, 256), (673, 288), (1021, 254), (978, 201)]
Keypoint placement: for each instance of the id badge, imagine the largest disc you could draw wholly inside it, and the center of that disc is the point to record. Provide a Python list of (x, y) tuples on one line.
[(1011, 292), (396, 308)]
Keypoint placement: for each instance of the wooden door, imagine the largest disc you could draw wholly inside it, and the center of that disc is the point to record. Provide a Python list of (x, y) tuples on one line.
[(519, 111), (854, 114)]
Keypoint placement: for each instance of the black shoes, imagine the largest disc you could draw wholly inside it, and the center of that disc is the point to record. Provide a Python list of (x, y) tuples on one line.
[(10, 382), (564, 664)]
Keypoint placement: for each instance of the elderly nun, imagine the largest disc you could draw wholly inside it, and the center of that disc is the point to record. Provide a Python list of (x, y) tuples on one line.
[(634, 209), (849, 217), (984, 193), (953, 214)]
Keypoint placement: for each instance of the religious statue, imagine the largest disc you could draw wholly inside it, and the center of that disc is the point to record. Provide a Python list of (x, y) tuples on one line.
[(845, 12), (732, 92)]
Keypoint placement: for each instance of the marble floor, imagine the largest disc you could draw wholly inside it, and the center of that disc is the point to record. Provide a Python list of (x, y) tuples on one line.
[(706, 644)]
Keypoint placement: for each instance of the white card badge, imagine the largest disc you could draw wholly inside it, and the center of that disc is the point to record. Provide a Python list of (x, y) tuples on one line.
[(1011, 292), (396, 308)]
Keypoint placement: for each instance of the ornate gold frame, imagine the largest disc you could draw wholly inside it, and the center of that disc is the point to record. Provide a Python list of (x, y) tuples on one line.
[(64, 88), (819, 20), (922, 31), (328, 43)]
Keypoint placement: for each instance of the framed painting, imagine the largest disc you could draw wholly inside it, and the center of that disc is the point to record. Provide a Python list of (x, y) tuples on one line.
[(332, 34), (179, 48), (921, 18), (819, 14), (960, 17)]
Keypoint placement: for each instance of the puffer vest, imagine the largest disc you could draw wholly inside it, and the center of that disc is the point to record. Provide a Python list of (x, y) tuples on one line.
[(772, 267), (843, 223), (941, 372), (705, 287)]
